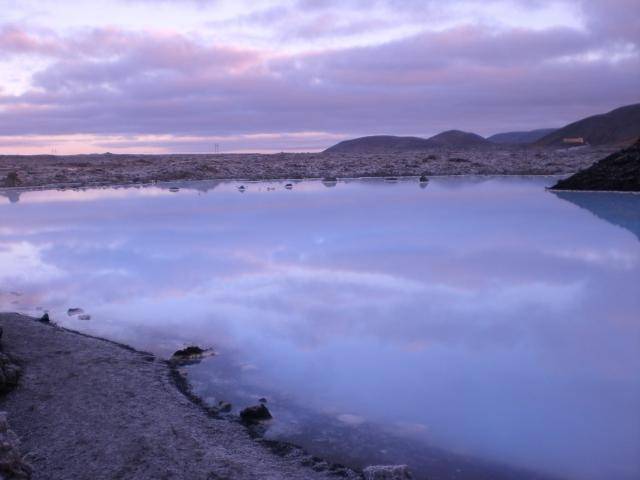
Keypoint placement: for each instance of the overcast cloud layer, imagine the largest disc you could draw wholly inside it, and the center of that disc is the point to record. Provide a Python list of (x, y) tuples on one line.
[(181, 75)]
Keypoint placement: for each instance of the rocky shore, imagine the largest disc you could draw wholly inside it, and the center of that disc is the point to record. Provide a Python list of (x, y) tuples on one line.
[(87, 408), (619, 172), (111, 169)]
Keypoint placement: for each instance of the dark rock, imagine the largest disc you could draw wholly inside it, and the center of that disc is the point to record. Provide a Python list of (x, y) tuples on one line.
[(189, 352), (45, 318), (619, 171), (12, 180), (255, 414), (289, 186), (84, 317), (224, 407), (423, 179), (262, 400), (330, 181), (9, 373), (74, 311)]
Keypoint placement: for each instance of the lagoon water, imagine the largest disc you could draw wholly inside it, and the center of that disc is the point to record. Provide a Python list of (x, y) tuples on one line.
[(475, 328)]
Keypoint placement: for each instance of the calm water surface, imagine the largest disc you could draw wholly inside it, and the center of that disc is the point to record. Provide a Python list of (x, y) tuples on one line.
[(475, 328)]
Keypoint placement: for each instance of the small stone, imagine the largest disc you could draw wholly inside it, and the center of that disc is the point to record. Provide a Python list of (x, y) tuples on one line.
[(387, 472), (74, 311), (45, 318), (423, 179), (224, 407), (329, 181), (289, 186), (255, 414), (84, 317), (262, 400)]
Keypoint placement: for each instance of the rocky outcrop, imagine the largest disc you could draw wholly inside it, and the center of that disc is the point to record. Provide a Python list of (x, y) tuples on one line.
[(387, 472), (617, 172), (12, 465), (9, 373)]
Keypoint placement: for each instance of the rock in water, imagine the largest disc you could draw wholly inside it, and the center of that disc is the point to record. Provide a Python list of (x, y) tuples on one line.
[(255, 414), (188, 352), (45, 318), (387, 472), (12, 466), (617, 172), (190, 355)]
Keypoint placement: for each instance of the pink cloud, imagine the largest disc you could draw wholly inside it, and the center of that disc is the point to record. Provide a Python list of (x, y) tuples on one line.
[(111, 81)]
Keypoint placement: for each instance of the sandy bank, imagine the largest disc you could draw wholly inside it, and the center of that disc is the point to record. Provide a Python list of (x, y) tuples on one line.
[(87, 408)]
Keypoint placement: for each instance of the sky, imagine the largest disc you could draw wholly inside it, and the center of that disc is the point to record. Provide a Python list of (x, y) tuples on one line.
[(300, 75)]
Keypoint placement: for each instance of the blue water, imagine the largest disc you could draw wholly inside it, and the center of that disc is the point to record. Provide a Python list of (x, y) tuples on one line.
[(477, 325)]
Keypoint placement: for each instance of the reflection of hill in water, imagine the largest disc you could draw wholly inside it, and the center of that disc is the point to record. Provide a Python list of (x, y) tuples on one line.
[(621, 209)]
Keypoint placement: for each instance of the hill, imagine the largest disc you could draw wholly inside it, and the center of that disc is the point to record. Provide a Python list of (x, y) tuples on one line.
[(617, 172), (617, 127), (520, 138), (390, 143), (379, 144), (458, 139)]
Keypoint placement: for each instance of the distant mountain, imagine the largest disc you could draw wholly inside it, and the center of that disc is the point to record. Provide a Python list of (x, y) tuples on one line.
[(618, 127), (618, 172), (390, 143), (379, 144), (520, 138), (457, 139)]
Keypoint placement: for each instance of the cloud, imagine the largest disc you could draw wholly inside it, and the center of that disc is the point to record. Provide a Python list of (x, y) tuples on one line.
[(111, 81)]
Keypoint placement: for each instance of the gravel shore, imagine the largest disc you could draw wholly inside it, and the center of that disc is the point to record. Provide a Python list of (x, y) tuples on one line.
[(111, 169), (87, 408)]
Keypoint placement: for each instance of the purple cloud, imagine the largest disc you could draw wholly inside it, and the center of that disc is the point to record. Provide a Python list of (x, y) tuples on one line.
[(115, 81)]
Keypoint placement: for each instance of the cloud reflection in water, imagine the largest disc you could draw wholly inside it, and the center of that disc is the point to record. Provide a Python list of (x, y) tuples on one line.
[(487, 315)]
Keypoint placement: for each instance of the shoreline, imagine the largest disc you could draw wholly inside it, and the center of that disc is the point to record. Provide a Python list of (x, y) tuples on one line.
[(42, 188), (79, 171), (161, 410)]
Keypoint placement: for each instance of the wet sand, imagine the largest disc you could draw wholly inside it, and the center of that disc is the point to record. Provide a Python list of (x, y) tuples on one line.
[(87, 408), (111, 169)]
